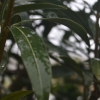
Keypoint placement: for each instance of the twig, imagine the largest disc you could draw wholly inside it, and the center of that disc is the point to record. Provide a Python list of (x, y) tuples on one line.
[(96, 35), (5, 31)]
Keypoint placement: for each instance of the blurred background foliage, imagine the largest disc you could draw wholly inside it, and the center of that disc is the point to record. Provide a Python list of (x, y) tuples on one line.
[(72, 78)]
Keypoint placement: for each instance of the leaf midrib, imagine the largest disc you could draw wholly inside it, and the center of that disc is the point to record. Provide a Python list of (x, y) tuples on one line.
[(32, 54)]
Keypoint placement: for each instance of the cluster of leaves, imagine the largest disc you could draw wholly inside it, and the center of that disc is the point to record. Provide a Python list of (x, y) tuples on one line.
[(18, 25)]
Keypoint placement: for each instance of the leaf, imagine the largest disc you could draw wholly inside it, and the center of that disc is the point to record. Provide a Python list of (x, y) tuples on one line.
[(62, 71), (95, 64), (96, 6), (35, 58), (92, 26), (73, 65), (15, 19), (3, 61), (53, 48), (16, 95), (88, 77), (2, 12), (19, 2), (77, 28), (36, 6)]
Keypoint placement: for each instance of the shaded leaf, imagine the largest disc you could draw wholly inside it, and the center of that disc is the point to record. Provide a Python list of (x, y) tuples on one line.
[(72, 25), (15, 19), (92, 26), (96, 6), (73, 65), (36, 6), (77, 28), (61, 71), (16, 95), (35, 58), (95, 64), (3, 61), (2, 12), (67, 35), (53, 48), (78, 17), (88, 78)]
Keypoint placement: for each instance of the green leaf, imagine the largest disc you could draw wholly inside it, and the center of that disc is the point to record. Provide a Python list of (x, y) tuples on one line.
[(73, 65), (35, 58), (36, 6), (3, 10), (15, 19), (88, 77), (62, 71), (16, 95), (77, 28), (95, 64), (92, 26), (3, 61), (53, 48), (78, 17)]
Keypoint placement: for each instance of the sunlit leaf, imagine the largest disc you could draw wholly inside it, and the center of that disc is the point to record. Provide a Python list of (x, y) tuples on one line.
[(35, 58), (16, 95), (95, 64)]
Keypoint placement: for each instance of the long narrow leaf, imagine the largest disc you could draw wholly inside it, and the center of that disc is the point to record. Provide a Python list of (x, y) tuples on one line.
[(3, 61), (35, 58), (95, 64), (28, 7), (77, 28), (15, 19), (2, 12), (16, 95), (73, 65)]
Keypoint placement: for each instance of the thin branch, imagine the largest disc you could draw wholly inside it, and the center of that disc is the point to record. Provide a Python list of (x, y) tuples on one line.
[(5, 31), (96, 35)]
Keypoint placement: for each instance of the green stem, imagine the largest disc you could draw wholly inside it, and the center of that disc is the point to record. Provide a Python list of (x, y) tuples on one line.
[(4, 30)]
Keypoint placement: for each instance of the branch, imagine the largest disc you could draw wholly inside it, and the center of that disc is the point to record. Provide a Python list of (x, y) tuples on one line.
[(96, 35), (5, 31)]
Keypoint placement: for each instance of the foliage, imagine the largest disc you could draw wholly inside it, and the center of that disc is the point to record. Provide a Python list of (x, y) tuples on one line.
[(69, 72)]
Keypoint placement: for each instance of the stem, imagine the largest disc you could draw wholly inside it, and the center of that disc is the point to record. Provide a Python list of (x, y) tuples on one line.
[(96, 36), (9, 13), (5, 31), (96, 93), (85, 97)]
